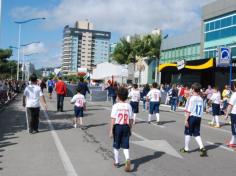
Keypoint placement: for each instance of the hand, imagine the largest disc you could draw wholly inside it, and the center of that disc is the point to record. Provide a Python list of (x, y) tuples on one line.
[(187, 124), (45, 107)]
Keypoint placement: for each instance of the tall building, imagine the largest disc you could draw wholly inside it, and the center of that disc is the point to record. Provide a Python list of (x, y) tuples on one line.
[(84, 47)]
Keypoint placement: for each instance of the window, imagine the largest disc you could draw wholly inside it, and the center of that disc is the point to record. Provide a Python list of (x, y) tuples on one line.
[(207, 27), (234, 19), (226, 22), (217, 24), (212, 26)]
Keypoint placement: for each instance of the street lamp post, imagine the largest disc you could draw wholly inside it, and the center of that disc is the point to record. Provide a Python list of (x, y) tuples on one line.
[(19, 40), (18, 60)]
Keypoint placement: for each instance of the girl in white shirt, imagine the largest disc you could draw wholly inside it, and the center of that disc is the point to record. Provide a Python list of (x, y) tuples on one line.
[(215, 100)]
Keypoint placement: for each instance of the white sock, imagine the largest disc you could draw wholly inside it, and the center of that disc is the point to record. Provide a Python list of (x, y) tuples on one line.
[(213, 120), (158, 117), (187, 140), (232, 141), (149, 117), (217, 120), (134, 117), (116, 155), (199, 141), (126, 153)]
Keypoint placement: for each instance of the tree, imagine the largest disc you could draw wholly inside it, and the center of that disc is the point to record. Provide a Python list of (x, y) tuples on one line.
[(4, 54)]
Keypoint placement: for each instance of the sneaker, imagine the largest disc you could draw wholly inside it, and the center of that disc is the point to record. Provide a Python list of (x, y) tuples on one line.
[(231, 145), (203, 152), (182, 150), (210, 123), (217, 126), (116, 165), (127, 166)]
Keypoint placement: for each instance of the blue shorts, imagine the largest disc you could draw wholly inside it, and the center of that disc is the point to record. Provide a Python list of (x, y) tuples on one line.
[(233, 124), (79, 111), (194, 126), (121, 134), (135, 106), (215, 109), (50, 89), (154, 107)]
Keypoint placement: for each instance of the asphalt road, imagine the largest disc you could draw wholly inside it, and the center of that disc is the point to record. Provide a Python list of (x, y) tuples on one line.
[(60, 150)]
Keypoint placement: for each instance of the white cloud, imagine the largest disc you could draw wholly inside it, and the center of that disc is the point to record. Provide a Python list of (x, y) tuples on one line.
[(123, 16), (34, 48)]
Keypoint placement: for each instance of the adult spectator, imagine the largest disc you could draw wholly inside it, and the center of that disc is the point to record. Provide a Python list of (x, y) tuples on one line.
[(144, 93), (83, 86), (226, 95), (61, 90), (31, 99), (174, 97), (209, 93), (50, 87), (181, 95)]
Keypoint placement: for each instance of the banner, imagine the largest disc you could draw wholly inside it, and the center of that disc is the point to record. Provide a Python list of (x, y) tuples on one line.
[(180, 64)]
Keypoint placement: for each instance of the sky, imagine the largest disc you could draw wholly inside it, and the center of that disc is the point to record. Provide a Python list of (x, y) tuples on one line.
[(120, 17)]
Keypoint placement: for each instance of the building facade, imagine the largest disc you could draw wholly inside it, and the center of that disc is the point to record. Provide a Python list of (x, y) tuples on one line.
[(84, 47)]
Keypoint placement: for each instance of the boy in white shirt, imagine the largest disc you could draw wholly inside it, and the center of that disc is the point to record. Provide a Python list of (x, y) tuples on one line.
[(215, 100), (120, 129), (79, 107), (194, 112), (154, 96), (231, 109), (135, 98)]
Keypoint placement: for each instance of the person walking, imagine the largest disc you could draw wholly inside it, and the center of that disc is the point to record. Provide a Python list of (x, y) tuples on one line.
[(83, 86), (31, 100), (61, 90), (144, 93), (174, 97), (50, 87)]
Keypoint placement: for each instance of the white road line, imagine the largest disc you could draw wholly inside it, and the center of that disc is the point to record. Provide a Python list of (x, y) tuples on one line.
[(69, 168), (218, 129), (221, 146), (139, 136)]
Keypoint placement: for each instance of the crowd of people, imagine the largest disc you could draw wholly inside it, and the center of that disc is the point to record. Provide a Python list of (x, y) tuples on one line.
[(126, 99), (8, 89)]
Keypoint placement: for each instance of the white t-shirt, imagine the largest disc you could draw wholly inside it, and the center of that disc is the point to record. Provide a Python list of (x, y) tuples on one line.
[(154, 95), (122, 113), (195, 106), (215, 98), (33, 94), (232, 102), (134, 95), (79, 100)]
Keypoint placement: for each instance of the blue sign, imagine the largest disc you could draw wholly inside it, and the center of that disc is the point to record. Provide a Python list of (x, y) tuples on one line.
[(223, 57)]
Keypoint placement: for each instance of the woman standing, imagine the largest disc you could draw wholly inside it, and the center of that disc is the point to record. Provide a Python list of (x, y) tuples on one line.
[(174, 98)]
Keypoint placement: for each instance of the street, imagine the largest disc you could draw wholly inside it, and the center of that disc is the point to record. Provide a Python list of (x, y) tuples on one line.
[(61, 150)]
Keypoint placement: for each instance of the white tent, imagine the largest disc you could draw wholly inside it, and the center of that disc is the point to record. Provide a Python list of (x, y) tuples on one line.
[(107, 70)]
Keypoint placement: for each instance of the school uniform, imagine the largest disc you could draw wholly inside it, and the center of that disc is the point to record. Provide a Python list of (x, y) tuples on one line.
[(135, 97), (195, 108), (154, 96), (122, 113), (79, 101), (232, 102), (215, 99)]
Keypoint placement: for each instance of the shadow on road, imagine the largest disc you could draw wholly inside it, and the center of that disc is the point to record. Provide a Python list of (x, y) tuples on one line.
[(142, 160), (10, 123)]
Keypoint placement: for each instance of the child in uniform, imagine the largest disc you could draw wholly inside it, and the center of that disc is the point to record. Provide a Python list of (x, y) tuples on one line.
[(79, 107), (135, 98), (194, 112), (154, 96), (121, 124), (215, 99), (231, 109)]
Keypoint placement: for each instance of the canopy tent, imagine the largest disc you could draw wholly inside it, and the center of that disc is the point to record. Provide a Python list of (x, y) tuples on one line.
[(107, 70)]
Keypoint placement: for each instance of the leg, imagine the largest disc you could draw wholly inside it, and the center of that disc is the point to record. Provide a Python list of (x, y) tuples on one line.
[(58, 102), (36, 119), (187, 141), (62, 102), (116, 155), (30, 122)]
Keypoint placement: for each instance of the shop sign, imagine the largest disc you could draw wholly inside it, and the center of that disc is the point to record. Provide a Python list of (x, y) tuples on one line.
[(223, 57), (180, 64)]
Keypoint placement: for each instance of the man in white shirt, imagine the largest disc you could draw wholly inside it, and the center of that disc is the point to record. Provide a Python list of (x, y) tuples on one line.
[(154, 96), (31, 100)]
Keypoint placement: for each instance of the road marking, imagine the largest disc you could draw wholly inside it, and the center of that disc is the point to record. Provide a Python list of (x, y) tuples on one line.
[(69, 168), (156, 145), (220, 145), (219, 129)]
